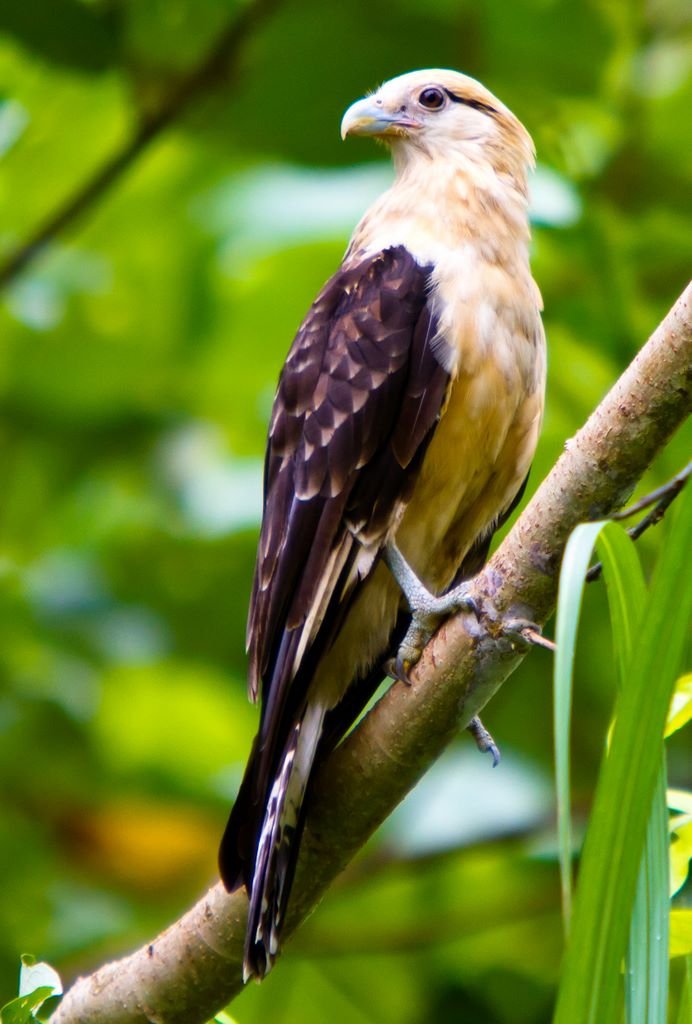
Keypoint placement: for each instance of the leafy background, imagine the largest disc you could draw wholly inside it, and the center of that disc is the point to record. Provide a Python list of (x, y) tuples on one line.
[(138, 357)]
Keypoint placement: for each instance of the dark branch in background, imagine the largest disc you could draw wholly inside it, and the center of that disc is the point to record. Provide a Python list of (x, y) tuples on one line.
[(662, 497), (194, 967), (216, 66)]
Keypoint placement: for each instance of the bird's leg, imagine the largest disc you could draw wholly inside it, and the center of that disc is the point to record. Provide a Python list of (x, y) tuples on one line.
[(427, 611), (484, 740)]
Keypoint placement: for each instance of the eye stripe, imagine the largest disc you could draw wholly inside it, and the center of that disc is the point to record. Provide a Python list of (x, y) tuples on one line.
[(476, 104)]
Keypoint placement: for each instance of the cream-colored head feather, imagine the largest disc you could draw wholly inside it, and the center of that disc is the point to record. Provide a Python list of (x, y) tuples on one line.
[(437, 114)]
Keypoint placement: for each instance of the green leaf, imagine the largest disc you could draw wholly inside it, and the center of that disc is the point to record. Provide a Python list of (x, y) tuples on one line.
[(19, 1010), (589, 989), (680, 854), (625, 588), (64, 31), (646, 965), (681, 933), (680, 711), (685, 1008), (39, 985), (572, 580)]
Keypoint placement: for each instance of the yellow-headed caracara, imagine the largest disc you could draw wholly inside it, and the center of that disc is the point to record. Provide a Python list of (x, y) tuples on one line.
[(404, 424)]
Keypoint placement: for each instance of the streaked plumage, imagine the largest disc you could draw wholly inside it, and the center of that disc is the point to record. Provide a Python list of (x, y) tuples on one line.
[(408, 410)]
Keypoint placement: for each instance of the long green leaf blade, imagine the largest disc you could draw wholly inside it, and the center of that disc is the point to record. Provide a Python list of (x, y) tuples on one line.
[(571, 589), (646, 963), (658, 847), (590, 983), (685, 1007), (626, 590)]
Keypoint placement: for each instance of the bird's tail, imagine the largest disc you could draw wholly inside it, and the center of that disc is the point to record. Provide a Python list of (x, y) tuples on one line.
[(268, 874)]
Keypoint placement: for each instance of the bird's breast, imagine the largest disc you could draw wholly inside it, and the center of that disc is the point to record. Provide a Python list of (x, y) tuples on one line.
[(491, 337)]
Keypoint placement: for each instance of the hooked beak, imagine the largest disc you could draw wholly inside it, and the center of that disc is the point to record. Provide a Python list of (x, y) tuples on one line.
[(365, 117)]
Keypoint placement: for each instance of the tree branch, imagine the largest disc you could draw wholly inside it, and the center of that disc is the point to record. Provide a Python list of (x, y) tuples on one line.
[(195, 965), (216, 66)]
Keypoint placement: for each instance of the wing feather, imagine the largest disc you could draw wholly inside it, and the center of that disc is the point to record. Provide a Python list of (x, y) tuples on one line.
[(356, 404)]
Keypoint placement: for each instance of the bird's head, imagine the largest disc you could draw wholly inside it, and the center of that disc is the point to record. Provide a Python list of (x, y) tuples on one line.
[(435, 113)]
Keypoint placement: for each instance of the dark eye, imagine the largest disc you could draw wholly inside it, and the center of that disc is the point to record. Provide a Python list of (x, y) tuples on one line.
[(431, 99)]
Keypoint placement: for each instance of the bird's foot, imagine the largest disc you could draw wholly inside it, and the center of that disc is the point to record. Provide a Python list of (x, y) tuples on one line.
[(410, 649), (427, 611), (484, 741)]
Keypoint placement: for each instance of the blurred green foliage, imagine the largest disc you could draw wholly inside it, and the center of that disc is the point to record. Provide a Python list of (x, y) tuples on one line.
[(138, 357)]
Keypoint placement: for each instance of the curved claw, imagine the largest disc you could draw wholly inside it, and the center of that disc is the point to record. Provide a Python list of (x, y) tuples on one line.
[(411, 647), (484, 741), (469, 604), (397, 669), (408, 654)]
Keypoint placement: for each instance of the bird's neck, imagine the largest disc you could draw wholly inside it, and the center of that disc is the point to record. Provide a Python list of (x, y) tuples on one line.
[(435, 207)]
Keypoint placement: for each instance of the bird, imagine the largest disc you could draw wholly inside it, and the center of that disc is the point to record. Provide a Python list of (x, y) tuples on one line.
[(403, 427)]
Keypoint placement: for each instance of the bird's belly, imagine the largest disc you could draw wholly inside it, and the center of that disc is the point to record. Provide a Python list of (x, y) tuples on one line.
[(477, 460)]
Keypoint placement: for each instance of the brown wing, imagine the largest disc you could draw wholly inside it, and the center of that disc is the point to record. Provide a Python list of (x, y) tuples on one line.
[(358, 397), (356, 405)]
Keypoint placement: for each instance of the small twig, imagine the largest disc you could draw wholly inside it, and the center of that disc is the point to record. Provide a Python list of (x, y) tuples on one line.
[(661, 498), (664, 497), (537, 638), (667, 491), (213, 68)]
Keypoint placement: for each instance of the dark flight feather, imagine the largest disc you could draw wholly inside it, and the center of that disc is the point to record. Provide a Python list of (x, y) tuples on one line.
[(357, 401)]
